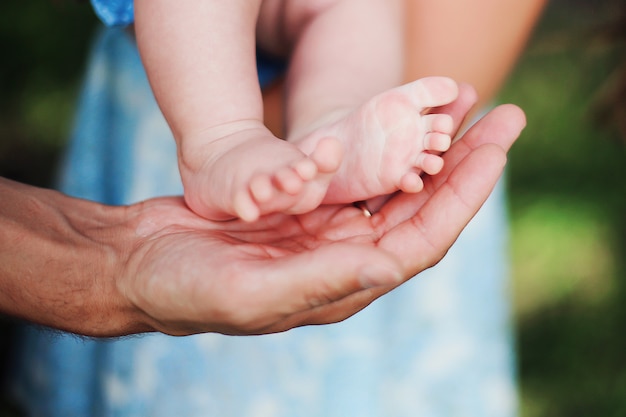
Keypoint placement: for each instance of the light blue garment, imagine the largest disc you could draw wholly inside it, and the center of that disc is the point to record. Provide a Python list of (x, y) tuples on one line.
[(438, 346), (114, 12)]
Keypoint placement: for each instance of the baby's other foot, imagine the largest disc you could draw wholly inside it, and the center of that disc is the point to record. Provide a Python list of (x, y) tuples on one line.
[(295, 188), (390, 140), (248, 173)]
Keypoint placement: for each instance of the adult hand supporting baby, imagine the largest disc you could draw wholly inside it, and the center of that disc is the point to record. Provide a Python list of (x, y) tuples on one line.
[(155, 266)]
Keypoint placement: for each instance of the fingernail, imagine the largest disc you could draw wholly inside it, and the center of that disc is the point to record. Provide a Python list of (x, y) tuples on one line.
[(378, 276)]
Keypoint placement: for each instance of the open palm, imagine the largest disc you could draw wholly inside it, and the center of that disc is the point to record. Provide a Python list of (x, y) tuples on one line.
[(189, 275)]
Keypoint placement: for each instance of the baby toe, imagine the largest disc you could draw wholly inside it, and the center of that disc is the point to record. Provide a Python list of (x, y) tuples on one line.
[(437, 142), (433, 91), (245, 208), (288, 180), (327, 155), (441, 123), (261, 188), (411, 182), (430, 164), (305, 169)]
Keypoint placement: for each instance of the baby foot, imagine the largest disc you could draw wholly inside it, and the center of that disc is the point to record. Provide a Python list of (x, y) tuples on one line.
[(294, 189), (390, 140), (252, 173)]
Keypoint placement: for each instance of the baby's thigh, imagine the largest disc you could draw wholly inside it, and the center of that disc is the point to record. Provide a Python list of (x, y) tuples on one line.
[(281, 21)]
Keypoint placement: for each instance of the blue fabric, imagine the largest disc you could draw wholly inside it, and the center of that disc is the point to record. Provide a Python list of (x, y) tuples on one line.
[(438, 346), (114, 12), (269, 68)]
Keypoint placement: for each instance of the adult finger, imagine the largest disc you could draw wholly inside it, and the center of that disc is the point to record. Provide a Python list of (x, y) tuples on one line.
[(336, 311), (501, 127), (422, 240), (297, 285)]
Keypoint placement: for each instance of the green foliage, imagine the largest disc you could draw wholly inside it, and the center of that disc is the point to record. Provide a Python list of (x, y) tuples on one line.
[(567, 181), (44, 44)]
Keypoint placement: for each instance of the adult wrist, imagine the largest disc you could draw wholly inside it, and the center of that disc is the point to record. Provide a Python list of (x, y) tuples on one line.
[(60, 259)]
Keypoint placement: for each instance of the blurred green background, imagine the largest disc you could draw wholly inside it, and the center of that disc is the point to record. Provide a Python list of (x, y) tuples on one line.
[(567, 189), (567, 183)]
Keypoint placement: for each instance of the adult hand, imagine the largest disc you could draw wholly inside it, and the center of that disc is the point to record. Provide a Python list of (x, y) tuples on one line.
[(155, 266), (189, 275)]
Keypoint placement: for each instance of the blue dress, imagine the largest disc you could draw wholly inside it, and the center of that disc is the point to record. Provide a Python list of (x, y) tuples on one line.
[(439, 345)]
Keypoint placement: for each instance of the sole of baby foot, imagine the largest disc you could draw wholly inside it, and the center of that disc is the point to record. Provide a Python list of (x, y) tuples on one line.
[(403, 136)]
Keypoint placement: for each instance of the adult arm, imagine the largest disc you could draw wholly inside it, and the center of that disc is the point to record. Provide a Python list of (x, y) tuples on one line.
[(477, 42), (59, 258)]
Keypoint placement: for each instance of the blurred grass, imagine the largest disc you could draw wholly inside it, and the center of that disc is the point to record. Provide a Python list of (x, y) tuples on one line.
[(44, 43), (567, 182)]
